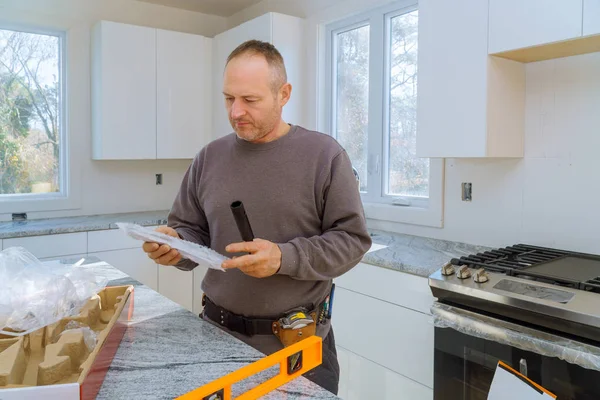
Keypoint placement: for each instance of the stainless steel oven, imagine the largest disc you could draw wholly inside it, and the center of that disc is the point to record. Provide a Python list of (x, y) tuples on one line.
[(535, 309), (469, 346)]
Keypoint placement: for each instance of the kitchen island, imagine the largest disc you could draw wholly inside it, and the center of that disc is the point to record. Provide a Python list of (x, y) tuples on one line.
[(168, 351)]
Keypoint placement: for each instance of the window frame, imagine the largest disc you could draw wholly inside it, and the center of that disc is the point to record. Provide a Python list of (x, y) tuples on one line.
[(67, 198), (378, 205)]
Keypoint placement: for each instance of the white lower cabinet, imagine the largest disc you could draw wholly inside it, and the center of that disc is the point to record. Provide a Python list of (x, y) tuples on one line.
[(361, 378), (110, 239), (47, 246), (176, 285), (134, 262), (384, 334), (395, 337)]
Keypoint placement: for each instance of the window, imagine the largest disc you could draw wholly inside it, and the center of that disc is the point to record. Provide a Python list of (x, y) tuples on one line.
[(32, 128), (371, 89)]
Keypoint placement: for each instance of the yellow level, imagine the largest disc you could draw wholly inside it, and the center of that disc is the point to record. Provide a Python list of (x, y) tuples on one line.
[(294, 361)]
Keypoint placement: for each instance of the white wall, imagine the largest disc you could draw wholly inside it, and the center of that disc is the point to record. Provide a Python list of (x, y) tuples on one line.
[(550, 197), (106, 186)]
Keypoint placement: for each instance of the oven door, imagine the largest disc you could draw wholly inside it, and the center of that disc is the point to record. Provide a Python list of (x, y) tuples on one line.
[(464, 366)]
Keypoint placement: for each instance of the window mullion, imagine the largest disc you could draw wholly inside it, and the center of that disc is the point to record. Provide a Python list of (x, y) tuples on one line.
[(376, 55)]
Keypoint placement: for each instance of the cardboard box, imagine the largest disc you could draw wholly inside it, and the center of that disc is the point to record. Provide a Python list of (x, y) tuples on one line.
[(55, 363)]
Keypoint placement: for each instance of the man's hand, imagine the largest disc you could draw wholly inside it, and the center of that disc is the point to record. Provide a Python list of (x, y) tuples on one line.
[(264, 259), (163, 254)]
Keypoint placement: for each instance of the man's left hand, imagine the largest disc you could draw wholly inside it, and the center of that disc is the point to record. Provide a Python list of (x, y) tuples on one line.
[(264, 259)]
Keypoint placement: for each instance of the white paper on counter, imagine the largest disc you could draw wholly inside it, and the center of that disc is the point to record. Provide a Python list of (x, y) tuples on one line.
[(67, 391), (508, 385), (201, 255)]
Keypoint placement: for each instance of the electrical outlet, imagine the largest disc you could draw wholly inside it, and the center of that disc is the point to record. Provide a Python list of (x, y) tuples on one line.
[(467, 194), (19, 216), (159, 179)]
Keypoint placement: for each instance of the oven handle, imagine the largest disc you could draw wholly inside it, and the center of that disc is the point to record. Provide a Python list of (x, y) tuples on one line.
[(510, 334), (523, 367)]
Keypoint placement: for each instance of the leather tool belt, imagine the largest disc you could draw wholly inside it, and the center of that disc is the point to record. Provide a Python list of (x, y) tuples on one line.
[(280, 327)]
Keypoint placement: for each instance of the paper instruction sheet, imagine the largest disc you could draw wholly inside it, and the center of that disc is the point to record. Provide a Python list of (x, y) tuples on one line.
[(509, 384), (201, 255)]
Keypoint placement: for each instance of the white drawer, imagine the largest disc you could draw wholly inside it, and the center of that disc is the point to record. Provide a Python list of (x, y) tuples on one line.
[(395, 337), (51, 245), (396, 287), (364, 379), (111, 239)]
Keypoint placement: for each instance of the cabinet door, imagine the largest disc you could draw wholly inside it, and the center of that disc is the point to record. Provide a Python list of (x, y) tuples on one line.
[(361, 378), (223, 44), (176, 285), (184, 109), (516, 24), (396, 338), (133, 262), (123, 92), (46, 246), (452, 94), (111, 239), (288, 38), (591, 17)]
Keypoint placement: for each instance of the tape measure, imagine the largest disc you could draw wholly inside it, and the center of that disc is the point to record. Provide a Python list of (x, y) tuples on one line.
[(295, 320)]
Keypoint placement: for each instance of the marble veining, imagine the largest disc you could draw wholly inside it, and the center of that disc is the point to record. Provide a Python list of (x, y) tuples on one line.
[(414, 254), (167, 351), (50, 226)]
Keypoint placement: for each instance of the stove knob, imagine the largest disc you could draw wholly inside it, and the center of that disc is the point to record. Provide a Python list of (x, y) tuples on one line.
[(463, 272), (448, 269), (481, 276)]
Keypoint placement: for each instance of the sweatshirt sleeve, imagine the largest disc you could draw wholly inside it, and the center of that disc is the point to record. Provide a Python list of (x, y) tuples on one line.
[(344, 239), (186, 215)]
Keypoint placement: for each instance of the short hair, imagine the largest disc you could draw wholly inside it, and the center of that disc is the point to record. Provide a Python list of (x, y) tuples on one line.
[(271, 55)]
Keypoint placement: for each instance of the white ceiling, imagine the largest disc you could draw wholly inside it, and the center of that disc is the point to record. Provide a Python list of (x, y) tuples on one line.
[(224, 8)]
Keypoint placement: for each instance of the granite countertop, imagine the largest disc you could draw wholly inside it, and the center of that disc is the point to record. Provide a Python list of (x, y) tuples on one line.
[(37, 227), (405, 253), (167, 351), (414, 254)]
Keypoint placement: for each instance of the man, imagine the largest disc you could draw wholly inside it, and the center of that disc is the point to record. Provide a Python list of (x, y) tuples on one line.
[(302, 201)]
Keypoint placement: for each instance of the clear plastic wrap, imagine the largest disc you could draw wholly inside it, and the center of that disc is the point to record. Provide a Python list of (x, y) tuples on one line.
[(506, 333), (201, 255), (33, 295), (90, 337)]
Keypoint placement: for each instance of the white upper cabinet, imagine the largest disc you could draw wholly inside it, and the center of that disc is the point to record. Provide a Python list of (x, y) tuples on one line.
[(183, 66), (516, 24), (150, 92), (591, 17), (469, 104), (123, 92), (286, 33)]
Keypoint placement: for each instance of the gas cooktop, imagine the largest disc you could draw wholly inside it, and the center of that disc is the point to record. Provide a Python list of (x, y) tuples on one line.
[(552, 288), (558, 267)]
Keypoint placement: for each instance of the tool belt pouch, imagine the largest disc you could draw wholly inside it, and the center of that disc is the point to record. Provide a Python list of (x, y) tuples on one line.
[(289, 335)]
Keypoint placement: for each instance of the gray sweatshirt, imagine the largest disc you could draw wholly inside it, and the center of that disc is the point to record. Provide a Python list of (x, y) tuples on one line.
[(299, 192)]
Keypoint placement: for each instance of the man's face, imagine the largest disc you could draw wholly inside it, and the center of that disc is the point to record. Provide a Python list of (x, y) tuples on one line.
[(253, 106)]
